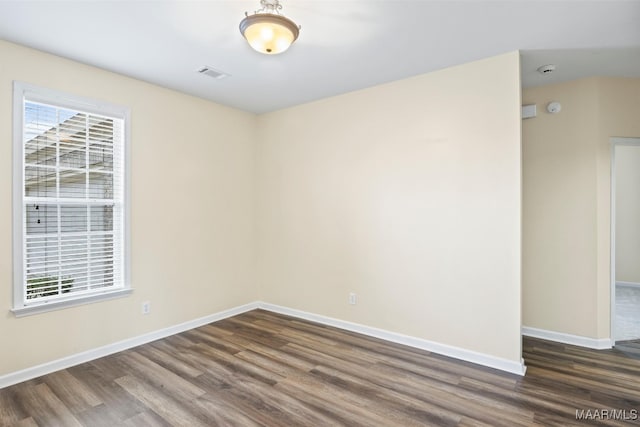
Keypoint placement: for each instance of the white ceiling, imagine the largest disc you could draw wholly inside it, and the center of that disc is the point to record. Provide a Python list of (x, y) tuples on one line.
[(343, 46)]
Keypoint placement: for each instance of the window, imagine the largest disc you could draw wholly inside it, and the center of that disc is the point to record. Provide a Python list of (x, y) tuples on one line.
[(70, 210)]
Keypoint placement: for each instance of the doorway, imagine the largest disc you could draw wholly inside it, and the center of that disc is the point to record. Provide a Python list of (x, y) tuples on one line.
[(625, 239)]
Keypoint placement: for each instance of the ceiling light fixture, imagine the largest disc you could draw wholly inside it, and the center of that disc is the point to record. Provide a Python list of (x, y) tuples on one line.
[(267, 31)]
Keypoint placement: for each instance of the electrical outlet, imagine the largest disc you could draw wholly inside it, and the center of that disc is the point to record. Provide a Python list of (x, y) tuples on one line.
[(352, 298), (146, 307)]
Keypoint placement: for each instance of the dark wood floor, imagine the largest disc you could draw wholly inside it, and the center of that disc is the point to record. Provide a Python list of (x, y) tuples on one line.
[(265, 369)]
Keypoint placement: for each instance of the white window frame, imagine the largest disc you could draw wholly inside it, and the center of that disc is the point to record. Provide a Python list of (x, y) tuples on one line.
[(26, 92)]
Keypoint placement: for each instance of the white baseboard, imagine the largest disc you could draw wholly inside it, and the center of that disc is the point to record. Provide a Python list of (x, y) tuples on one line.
[(86, 356), (628, 284), (89, 355), (595, 343), (443, 349)]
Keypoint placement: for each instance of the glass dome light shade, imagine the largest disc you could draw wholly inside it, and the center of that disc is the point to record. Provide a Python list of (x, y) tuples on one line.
[(269, 33)]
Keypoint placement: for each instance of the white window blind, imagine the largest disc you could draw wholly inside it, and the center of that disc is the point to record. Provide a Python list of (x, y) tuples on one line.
[(72, 201)]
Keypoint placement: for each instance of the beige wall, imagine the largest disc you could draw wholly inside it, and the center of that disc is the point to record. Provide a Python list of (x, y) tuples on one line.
[(627, 175), (566, 203), (192, 201), (407, 194)]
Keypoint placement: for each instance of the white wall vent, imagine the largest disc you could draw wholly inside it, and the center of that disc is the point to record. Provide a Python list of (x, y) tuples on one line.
[(212, 72)]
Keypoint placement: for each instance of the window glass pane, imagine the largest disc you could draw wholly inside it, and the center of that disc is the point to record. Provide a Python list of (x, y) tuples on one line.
[(40, 151), (100, 185), (101, 265), (73, 183), (42, 267), (73, 260), (39, 134), (39, 182), (101, 218), (41, 218), (73, 141), (73, 218), (101, 156), (42, 256)]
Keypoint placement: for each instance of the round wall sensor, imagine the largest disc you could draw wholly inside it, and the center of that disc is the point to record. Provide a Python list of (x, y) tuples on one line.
[(554, 107), (547, 69)]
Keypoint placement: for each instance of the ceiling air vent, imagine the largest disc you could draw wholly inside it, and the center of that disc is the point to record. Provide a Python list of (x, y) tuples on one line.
[(212, 72)]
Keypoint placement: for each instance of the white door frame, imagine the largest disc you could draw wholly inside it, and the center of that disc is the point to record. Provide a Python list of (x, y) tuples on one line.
[(615, 142)]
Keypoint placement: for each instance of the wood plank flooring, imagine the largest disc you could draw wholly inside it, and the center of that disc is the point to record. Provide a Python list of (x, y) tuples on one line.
[(265, 369)]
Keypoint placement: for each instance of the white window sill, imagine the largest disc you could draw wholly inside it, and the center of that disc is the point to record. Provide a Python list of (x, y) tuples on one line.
[(59, 305)]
